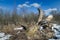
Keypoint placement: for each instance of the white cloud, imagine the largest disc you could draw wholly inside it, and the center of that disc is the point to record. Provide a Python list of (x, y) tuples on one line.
[(35, 5), (28, 5), (20, 6), (51, 9), (25, 5), (47, 12)]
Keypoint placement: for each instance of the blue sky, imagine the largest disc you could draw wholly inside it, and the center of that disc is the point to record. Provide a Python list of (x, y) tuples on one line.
[(44, 4)]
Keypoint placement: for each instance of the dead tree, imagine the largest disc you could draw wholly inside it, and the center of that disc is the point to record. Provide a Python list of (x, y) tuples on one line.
[(33, 30), (33, 33)]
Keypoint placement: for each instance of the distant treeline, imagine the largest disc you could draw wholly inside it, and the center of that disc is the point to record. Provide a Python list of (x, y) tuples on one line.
[(15, 18)]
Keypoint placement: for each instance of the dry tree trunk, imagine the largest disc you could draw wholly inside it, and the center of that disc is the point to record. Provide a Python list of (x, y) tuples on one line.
[(32, 31), (31, 34), (40, 15)]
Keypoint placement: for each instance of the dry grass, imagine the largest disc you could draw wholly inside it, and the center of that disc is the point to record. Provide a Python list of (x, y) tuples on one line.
[(35, 35)]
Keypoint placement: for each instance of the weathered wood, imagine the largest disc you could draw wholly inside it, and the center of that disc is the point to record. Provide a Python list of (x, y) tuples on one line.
[(46, 32)]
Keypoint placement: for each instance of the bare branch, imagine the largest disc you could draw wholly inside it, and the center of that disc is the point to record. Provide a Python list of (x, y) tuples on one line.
[(40, 15)]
